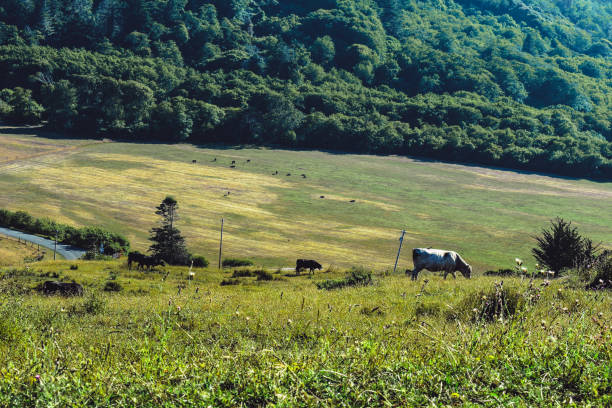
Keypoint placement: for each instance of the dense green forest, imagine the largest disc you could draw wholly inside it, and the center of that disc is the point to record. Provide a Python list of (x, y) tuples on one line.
[(516, 83)]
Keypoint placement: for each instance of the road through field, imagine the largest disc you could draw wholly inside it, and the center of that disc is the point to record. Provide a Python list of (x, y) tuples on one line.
[(67, 251)]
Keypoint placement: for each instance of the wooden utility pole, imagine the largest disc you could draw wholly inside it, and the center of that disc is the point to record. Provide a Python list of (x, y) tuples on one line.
[(55, 246), (401, 240), (221, 244)]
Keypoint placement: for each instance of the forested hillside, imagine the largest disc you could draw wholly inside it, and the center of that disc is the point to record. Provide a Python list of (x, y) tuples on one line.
[(516, 83)]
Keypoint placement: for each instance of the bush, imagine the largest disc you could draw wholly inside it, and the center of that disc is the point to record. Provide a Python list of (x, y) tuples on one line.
[(74, 267), (356, 277), (489, 305), (242, 273), (235, 262), (113, 286), (563, 247), (603, 272), (199, 261), (227, 282), (263, 275)]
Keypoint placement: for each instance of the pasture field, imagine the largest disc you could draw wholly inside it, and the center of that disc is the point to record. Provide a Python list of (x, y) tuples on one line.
[(283, 342), (14, 253), (488, 215)]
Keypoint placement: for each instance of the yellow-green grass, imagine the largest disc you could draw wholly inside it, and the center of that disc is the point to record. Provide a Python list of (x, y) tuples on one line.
[(487, 215), (14, 252), (285, 343)]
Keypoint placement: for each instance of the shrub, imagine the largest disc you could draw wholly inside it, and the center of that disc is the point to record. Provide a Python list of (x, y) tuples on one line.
[(242, 273), (199, 261), (263, 275), (113, 286), (603, 272), (356, 277), (227, 282), (489, 305), (235, 262), (563, 247), (74, 267)]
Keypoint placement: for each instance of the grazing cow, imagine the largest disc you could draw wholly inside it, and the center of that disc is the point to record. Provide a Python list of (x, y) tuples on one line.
[(233, 161), (436, 260), (352, 201), (288, 174), (194, 161), (135, 257), (248, 160), (150, 262), (309, 264), (303, 176), (275, 173), (215, 159), (62, 288), (233, 166), (322, 197)]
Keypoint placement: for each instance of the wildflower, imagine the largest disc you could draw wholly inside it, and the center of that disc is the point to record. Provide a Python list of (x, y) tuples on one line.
[(524, 270), (484, 297), (600, 315), (37, 377), (543, 322), (475, 310), (178, 308), (565, 309), (518, 261), (289, 321), (248, 318), (551, 272), (454, 395)]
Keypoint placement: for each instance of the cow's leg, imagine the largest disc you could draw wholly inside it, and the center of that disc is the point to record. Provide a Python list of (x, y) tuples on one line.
[(454, 275), (415, 273), (445, 273)]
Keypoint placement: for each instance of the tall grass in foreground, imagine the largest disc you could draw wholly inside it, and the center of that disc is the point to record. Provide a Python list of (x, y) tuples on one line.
[(286, 343)]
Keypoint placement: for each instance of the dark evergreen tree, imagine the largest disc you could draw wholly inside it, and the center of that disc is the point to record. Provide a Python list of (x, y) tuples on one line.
[(168, 244), (562, 247)]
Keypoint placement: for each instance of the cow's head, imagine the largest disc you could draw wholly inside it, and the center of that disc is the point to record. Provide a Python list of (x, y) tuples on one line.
[(466, 270)]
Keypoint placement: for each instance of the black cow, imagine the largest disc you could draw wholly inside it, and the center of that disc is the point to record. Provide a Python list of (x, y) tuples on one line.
[(62, 288), (135, 257), (309, 264), (194, 161), (151, 262)]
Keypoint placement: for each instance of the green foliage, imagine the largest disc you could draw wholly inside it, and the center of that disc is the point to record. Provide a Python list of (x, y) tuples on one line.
[(89, 238), (235, 262), (490, 305), (199, 261), (355, 277), (518, 84), (168, 243), (563, 247)]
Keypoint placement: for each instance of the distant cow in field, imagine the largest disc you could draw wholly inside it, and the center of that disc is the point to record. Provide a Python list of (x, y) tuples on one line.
[(233, 161), (135, 257), (150, 262), (62, 288), (309, 264), (233, 166), (436, 260), (194, 161)]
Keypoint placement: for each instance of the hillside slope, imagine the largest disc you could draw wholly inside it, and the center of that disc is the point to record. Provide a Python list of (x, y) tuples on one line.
[(518, 83), (274, 215)]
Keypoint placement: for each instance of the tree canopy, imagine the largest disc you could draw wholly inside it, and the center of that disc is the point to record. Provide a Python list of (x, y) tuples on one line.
[(523, 84)]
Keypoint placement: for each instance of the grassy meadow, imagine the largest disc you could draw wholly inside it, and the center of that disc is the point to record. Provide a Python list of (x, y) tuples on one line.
[(164, 340), (488, 215), (14, 252)]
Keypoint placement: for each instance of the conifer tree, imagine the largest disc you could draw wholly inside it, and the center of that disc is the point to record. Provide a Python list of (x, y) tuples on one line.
[(168, 244)]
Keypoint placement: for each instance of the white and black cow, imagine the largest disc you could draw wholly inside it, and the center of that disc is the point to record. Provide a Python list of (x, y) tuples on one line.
[(436, 260)]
